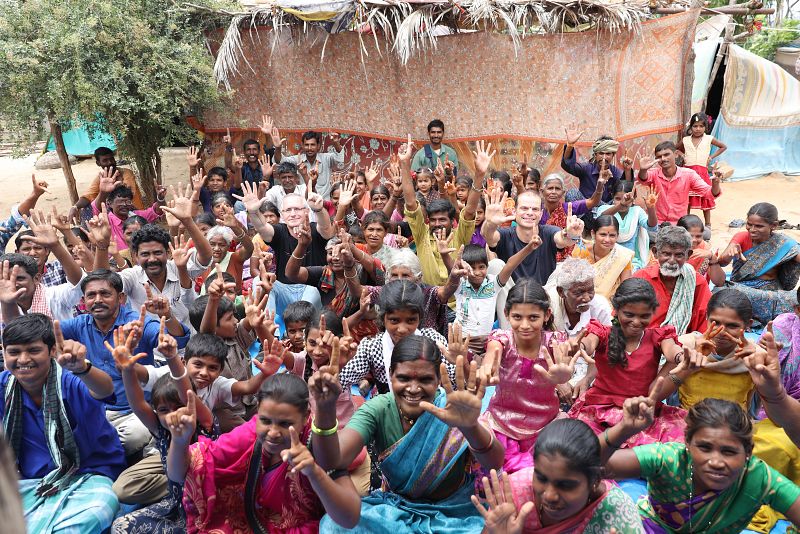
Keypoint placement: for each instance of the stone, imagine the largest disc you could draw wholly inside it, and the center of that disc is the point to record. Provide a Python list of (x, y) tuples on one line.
[(49, 160)]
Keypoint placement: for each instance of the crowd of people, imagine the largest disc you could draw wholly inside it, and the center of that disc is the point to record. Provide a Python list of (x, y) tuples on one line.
[(279, 346)]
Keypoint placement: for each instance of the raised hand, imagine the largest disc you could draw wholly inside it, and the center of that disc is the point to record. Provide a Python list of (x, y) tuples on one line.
[(266, 125), (626, 162), (298, 455), (192, 157), (229, 219), (136, 327), (646, 162), (573, 135), (457, 345), (574, 223), (42, 228), (167, 345), (405, 152), (652, 197), (438, 172), (314, 200), (183, 421), (60, 222), (324, 385), (123, 349), (483, 157), (690, 360), (227, 137), (705, 345), (110, 178), (460, 267), (199, 180), (495, 207), (277, 140), (764, 366), (180, 250), (181, 205), (502, 516), (71, 355), (347, 192), (443, 242), (238, 161), (372, 173), (464, 402), (99, 227), (39, 186), (273, 359), (249, 198), (156, 304), (8, 283), (560, 367), (400, 240)]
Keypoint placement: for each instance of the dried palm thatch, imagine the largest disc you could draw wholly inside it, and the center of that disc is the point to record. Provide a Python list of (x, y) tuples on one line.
[(407, 27)]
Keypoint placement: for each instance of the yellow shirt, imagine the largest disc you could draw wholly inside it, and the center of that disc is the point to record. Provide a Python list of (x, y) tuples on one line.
[(433, 270)]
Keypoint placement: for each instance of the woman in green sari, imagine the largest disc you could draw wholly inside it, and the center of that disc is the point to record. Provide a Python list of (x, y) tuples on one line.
[(426, 439), (712, 483)]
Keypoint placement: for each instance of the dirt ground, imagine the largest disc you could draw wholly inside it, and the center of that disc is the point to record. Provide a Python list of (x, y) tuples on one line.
[(737, 197)]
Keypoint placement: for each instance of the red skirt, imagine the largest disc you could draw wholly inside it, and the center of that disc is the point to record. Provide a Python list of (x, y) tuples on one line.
[(696, 201)]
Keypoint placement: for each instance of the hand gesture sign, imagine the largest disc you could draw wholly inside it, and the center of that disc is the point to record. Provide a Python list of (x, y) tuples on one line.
[(167, 345), (347, 345), (626, 162), (735, 250), (646, 162), (449, 166), (183, 421), (156, 304), (198, 180), (180, 249), (110, 178), (457, 345), (227, 137), (438, 172), (495, 207), (371, 173), (273, 359), (536, 240), (347, 193), (62, 223), (324, 385), (460, 267), (298, 455), (70, 354), (652, 197), (238, 161), (605, 174), (464, 403), (690, 360), (249, 197), (181, 205), (39, 186), (406, 151), (638, 412), (99, 227), (574, 223), (573, 135), (705, 345), (314, 201), (502, 516), (764, 366), (483, 157), (400, 240), (443, 242), (192, 157), (123, 349), (365, 305), (42, 228), (136, 327), (9, 293), (560, 367), (266, 125), (277, 140)]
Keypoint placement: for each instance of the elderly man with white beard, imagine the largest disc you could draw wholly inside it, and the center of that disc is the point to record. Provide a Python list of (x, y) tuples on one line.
[(682, 293)]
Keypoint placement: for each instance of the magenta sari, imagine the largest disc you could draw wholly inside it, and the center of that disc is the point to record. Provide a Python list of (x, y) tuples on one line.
[(214, 491)]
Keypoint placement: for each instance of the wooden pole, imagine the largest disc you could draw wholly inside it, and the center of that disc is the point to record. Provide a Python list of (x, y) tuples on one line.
[(63, 157)]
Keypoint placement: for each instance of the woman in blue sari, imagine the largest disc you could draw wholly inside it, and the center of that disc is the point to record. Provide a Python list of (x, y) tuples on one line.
[(766, 264), (427, 441)]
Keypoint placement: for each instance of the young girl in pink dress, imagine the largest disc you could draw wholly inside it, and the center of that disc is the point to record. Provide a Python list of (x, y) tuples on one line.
[(627, 357), (696, 148), (525, 399)]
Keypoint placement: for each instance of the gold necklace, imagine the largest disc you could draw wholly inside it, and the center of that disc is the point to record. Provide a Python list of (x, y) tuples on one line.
[(405, 418)]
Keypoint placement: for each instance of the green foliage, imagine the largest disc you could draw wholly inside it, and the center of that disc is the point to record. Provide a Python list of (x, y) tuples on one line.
[(141, 66), (766, 43)]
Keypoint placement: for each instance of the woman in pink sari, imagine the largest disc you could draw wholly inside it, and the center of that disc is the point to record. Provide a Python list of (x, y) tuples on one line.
[(259, 477)]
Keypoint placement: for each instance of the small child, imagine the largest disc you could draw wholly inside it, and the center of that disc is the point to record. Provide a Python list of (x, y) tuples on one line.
[(476, 296), (696, 148), (214, 314), (167, 395), (704, 260), (425, 181), (297, 317)]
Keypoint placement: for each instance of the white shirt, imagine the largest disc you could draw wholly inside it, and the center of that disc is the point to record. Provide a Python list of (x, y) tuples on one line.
[(212, 396), (475, 308), (133, 281)]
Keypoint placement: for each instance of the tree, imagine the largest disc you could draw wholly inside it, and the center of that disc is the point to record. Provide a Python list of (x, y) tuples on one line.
[(136, 69)]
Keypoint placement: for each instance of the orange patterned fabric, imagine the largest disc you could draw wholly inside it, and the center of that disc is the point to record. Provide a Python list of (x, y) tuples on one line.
[(476, 82)]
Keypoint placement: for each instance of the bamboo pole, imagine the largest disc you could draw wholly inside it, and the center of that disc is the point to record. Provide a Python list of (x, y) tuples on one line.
[(725, 10), (63, 157)]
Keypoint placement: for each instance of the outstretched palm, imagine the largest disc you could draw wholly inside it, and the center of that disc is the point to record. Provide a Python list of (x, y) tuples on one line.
[(464, 402)]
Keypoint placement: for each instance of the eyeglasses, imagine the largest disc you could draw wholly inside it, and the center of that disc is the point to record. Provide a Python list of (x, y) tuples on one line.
[(292, 210)]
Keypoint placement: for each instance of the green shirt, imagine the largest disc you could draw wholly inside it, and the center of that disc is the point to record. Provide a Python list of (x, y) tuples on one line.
[(420, 160), (667, 467)]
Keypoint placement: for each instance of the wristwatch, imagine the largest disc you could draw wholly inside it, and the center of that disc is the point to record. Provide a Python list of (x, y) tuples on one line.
[(88, 368)]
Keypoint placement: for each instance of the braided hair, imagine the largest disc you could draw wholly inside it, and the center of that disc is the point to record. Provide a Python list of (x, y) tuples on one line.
[(529, 291), (631, 291)]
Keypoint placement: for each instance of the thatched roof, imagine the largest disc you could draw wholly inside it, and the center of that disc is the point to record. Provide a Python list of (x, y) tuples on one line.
[(407, 27)]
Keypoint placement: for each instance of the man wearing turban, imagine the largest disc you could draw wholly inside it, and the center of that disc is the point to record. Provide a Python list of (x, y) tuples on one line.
[(604, 151)]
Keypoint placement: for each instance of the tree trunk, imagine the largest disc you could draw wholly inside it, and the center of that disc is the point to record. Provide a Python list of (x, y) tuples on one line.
[(63, 157)]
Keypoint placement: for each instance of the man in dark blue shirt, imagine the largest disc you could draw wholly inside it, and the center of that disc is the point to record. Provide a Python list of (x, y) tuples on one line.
[(604, 150)]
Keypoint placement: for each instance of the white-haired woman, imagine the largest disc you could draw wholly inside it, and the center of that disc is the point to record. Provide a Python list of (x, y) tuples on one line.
[(221, 237), (555, 210)]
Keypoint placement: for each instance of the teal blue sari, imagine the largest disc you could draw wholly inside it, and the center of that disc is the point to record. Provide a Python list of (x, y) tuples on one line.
[(770, 298), (414, 468)]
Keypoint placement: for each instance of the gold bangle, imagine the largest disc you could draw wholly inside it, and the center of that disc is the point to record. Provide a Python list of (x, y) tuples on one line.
[(325, 432), (485, 449)]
